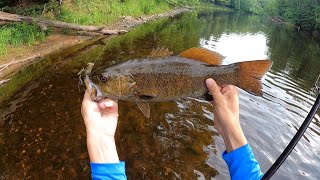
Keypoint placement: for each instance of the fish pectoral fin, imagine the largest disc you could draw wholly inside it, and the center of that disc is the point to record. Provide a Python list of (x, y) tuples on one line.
[(203, 55), (160, 52), (144, 108)]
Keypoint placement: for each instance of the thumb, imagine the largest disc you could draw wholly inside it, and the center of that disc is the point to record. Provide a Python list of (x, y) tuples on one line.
[(213, 88), (87, 103), (86, 97)]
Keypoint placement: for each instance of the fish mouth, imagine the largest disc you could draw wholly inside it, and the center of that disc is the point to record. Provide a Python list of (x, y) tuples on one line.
[(94, 91)]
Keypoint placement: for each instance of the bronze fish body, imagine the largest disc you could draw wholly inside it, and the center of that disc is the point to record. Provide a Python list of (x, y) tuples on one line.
[(165, 79), (171, 78)]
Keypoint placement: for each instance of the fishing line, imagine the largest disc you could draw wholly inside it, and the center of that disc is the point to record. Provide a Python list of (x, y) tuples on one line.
[(99, 54), (80, 74), (297, 136)]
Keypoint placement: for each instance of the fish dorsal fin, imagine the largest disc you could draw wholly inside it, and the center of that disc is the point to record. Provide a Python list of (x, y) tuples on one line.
[(160, 52), (144, 108), (203, 55)]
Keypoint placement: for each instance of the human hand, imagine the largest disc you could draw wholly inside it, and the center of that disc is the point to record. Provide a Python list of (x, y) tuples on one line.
[(101, 121), (226, 114), (101, 117)]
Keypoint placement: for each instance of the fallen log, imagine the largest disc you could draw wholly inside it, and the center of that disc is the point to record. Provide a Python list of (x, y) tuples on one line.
[(43, 23), (13, 62), (112, 32), (88, 33), (3, 67), (2, 82)]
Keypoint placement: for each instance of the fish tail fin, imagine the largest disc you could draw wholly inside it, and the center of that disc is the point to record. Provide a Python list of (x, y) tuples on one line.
[(250, 74)]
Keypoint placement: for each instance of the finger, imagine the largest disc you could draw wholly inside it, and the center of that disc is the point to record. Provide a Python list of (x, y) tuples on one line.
[(213, 88), (86, 99), (88, 105), (230, 91), (225, 89), (107, 103), (108, 107), (86, 95), (219, 88)]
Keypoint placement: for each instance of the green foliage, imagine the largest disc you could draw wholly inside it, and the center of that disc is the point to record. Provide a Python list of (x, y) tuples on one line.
[(223, 2), (304, 14), (317, 17), (271, 7), (4, 40), (32, 10), (4, 3), (17, 34), (97, 12), (251, 6)]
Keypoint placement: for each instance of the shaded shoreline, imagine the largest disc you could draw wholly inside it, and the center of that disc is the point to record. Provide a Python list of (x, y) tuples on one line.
[(64, 45), (58, 41)]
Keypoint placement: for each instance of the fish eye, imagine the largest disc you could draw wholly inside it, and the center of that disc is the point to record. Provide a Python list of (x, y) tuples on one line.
[(103, 78)]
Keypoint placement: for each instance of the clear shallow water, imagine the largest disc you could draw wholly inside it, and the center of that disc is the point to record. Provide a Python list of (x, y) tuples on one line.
[(42, 133)]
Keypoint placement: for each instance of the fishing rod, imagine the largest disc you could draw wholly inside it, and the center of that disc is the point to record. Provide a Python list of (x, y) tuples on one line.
[(297, 136)]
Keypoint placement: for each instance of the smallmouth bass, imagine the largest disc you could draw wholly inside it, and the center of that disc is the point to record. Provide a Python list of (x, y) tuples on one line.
[(170, 78)]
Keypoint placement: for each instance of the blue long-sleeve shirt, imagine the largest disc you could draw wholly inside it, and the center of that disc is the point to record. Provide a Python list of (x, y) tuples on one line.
[(241, 163), (108, 171)]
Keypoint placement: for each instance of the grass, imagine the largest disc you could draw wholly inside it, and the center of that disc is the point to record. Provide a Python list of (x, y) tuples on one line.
[(97, 12), (16, 34)]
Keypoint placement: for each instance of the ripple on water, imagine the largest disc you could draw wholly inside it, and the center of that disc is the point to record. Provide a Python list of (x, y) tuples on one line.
[(275, 121)]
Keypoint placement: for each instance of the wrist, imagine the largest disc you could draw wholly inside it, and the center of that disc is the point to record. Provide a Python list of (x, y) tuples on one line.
[(94, 136), (102, 149), (104, 128), (234, 138)]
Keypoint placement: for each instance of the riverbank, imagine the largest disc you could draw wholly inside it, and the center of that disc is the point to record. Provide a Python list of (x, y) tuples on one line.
[(19, 57), (278, 20), (93, 14)]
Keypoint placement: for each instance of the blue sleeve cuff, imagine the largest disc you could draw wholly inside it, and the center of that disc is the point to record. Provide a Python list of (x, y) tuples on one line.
[(242, 164), (108, 170)]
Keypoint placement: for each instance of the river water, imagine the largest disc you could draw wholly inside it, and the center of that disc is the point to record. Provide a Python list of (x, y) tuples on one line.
[(43, 136)]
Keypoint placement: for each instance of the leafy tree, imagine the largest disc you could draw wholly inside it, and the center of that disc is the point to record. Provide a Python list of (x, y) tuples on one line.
[(304, 14)]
